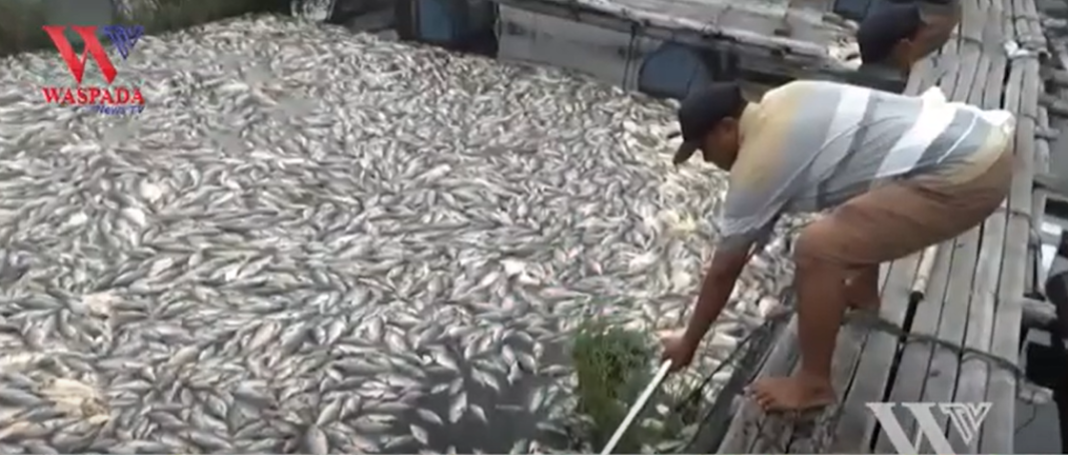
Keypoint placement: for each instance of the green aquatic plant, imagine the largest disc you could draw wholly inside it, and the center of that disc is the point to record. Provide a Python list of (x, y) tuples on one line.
[(613, 365)]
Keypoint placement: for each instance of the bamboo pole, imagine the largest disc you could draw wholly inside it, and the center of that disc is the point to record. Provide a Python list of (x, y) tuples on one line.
[(923, 274)]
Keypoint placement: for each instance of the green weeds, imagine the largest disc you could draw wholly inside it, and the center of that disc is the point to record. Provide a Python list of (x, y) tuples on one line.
[(614, 365)]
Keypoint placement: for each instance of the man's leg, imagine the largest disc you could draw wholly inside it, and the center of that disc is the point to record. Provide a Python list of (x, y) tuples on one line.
[(821, 292), (885, 224)]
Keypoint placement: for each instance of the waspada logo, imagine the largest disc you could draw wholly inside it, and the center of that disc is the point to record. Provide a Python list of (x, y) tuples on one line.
[(115, 99)]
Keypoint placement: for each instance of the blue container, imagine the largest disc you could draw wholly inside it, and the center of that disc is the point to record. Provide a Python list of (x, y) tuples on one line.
[(453, 24), (673, 70)]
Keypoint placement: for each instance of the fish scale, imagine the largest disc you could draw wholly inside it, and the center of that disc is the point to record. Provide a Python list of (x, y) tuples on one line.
[(335, 243)]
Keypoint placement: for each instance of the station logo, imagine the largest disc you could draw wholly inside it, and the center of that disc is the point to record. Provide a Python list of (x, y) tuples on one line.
[(112, 98)]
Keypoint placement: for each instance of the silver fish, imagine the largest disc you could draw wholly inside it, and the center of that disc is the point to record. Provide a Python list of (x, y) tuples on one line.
[(312, 240)]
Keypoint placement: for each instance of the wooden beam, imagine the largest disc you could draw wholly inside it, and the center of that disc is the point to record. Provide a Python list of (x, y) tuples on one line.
[(1000, 427), (971, 373)]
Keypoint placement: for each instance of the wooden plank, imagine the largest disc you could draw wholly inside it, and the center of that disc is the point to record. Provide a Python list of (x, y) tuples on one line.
[(916, 357), (943, 369), (1035, 39), (921, 74), (1019, 23), (994, 36), (745, 428), (856, 423), (999, 429), (971, 383), (971, 378), (780, 363), (944, 366), (1035, 281)]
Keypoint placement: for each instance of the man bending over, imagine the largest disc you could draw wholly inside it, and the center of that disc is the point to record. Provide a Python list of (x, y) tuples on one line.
[(901, 172)]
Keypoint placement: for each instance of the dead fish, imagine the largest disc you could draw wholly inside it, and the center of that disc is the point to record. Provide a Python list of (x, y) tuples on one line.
[(328, 241)]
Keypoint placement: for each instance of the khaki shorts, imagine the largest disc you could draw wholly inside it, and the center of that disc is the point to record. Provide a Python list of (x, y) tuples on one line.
[(901, 218)]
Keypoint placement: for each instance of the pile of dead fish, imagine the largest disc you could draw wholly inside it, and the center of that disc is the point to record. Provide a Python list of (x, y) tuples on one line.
[(311, 241)]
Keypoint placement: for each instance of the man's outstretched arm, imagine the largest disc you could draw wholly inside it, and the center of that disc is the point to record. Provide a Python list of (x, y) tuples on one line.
[(716, 288)]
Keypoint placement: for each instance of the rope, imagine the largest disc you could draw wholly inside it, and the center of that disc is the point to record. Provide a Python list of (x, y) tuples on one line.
[(873, 321)]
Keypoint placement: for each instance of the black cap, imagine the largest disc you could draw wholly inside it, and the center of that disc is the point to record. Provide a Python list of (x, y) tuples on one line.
[(701, 111)]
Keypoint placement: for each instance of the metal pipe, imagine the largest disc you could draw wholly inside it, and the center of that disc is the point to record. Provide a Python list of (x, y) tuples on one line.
[(637, 407)]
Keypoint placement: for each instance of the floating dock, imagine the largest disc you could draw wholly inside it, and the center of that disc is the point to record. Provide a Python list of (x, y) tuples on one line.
[(660, 47)]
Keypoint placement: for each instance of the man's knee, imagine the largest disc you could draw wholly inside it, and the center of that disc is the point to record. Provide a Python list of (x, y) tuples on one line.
[(818, 242)]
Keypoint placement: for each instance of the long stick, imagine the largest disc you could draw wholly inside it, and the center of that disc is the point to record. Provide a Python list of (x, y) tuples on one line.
[(637, 407), (923, 274)]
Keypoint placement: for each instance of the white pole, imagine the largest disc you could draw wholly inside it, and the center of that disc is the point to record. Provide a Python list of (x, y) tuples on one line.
[(637, 407)]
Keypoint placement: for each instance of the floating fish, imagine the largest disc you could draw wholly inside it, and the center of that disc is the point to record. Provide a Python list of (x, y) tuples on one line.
[(316, 241)]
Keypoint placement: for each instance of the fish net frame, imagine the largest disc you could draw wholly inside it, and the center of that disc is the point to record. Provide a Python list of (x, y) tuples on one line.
[(21, 20)]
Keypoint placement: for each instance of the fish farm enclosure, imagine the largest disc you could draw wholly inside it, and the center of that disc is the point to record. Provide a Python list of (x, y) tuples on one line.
[(392, 236)]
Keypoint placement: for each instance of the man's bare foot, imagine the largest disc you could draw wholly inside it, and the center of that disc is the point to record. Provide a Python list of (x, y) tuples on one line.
[(795, 393)]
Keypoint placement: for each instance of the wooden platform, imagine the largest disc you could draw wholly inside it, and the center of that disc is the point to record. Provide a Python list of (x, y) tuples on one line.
[(968, 291)]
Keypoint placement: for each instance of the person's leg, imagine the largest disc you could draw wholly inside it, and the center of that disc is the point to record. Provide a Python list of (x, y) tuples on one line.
[(862, 289), (821, 293), (882, 225)]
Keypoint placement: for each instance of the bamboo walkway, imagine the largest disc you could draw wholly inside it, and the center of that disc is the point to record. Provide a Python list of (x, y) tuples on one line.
[(968, 291)]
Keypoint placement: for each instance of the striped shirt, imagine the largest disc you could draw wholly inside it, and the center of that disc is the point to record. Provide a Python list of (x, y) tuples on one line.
[(812, 145)]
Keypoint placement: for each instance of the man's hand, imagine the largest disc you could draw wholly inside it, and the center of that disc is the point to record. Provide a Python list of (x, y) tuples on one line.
[(678, 350)]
